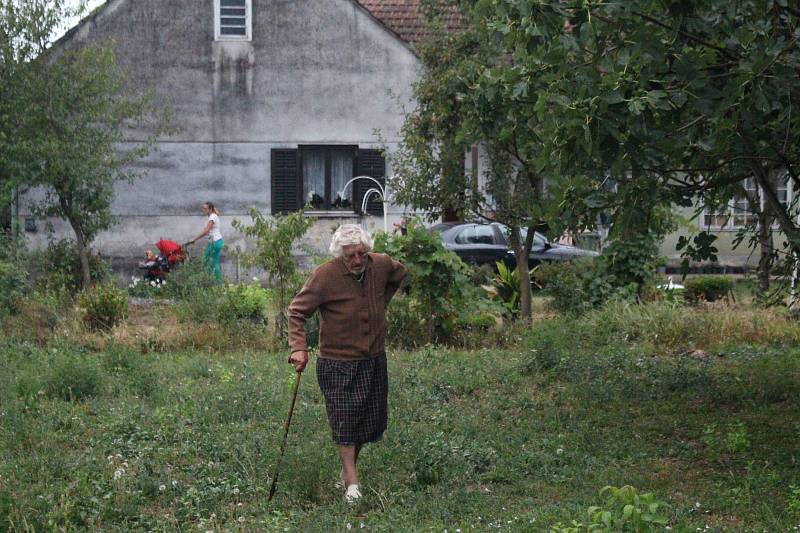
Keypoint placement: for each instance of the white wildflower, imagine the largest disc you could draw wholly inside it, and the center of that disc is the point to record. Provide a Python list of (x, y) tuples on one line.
[(162, 488), (559, 451), (241, 519), (118, 473)]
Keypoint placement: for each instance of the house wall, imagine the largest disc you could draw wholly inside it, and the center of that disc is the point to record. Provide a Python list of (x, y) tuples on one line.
[(740, 257), (315, 72)]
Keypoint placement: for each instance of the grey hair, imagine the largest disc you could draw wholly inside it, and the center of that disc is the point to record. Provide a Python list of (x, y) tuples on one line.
[(348, 234)]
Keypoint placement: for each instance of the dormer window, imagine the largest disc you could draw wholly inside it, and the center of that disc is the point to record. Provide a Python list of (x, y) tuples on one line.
[(233, 20)]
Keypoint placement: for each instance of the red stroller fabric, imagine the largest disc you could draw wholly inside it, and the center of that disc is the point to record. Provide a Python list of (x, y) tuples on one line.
[(171, 250)]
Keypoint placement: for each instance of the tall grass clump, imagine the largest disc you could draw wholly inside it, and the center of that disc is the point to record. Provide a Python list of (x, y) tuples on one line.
[(666, 327), (103, 306), (73, 378), (13, 275), (194, 289)]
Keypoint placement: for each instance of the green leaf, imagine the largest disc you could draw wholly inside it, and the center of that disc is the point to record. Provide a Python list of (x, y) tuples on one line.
[(627, 511), (636, 106)]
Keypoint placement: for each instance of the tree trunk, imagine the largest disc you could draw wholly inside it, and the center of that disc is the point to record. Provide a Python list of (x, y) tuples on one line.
[(793, 293), (765, 242), (521, 253), (781, 214), (83, 253)]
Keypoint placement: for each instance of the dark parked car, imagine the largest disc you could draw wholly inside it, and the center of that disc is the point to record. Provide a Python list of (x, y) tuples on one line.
[(485, 244)]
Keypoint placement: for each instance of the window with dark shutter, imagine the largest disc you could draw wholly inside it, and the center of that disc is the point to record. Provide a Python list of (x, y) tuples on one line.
[(324, 172), (370, 163), (233, 19), (285, 195)]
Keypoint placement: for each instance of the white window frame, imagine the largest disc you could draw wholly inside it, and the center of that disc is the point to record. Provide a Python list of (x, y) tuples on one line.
[(731, 210), (218, 36)]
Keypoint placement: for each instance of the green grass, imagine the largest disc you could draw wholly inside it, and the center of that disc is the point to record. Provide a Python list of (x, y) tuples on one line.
[(515, 439)]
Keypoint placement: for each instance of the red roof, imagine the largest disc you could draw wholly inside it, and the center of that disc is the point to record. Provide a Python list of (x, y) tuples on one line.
[(403, 17)]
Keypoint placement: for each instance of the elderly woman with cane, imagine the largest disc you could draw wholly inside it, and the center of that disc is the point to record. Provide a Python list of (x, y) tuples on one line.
[(351, 293)]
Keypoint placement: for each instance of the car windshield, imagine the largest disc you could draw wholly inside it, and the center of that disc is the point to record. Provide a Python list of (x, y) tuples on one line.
[(439, 228), (539, 240)]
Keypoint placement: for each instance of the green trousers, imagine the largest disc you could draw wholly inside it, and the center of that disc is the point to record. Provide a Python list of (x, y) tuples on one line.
[(211, 259)]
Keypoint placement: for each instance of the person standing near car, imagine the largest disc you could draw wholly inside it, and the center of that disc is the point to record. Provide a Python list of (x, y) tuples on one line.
[(214, 246), (351, 293)]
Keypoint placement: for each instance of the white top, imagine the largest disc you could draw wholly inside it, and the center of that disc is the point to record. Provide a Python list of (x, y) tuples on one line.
[(214, 234)]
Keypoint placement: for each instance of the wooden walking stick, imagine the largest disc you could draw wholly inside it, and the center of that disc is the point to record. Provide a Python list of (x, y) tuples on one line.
[(285, 434)]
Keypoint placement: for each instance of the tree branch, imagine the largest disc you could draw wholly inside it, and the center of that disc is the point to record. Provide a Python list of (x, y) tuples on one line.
[(687, 35)]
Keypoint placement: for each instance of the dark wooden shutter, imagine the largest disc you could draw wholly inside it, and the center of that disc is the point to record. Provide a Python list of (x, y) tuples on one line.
[(285, 180), (369, 163)]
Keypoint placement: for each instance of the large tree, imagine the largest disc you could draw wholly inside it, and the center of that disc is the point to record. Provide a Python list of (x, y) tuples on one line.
[(27, 28), (459, 108), (682, 100), (71, 112)]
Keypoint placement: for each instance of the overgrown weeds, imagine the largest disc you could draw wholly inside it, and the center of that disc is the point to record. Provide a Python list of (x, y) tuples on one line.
[(663, 328), (519, 438)]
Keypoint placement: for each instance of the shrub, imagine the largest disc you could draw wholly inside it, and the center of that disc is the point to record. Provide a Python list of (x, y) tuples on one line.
[(58, 268), (708, 288), (275, 237), (13, 275), (73, 379), (403, 319), (194, 288), (438, 287), (578, 286), (103, 306), (188, 280), (243, 302)]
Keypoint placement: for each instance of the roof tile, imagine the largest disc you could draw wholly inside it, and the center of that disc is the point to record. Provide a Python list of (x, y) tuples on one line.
[(404, 18)]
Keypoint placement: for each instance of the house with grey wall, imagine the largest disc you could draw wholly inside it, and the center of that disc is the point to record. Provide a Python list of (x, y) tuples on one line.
[(278, 103)]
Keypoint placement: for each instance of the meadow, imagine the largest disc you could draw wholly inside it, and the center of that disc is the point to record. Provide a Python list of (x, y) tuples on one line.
[(695, 408)]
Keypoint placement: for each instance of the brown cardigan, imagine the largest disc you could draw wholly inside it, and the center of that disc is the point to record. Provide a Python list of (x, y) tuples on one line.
[(352, 314)]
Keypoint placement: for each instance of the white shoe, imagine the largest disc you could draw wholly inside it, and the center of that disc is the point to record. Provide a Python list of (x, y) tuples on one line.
[(353, 493)]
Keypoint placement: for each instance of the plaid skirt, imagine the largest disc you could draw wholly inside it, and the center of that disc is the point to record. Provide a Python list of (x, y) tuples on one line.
[(355, 398)]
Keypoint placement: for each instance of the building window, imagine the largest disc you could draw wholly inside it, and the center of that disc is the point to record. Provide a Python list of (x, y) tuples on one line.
[(314, 176), (233, 20), (325, 170), (739, 213)]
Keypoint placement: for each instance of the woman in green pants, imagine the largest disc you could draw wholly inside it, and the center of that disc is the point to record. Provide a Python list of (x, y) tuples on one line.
[(214, 247)]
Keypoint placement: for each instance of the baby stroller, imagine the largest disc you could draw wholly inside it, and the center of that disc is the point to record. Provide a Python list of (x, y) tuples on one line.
[(158, 266)]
